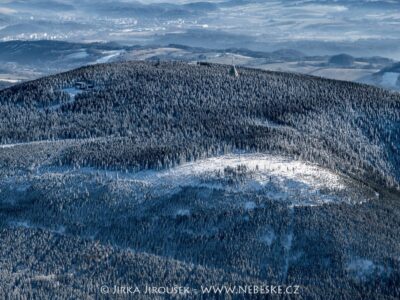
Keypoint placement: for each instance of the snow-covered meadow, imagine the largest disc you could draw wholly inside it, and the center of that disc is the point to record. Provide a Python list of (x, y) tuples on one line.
[(273, 177), (280, 178)]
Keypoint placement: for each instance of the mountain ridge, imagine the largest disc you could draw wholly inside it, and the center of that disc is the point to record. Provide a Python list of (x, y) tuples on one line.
[(280, 98), (166, 172)]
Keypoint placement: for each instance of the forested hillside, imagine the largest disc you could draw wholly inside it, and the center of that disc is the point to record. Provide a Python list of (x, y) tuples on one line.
[(170, 174), (160, 114)]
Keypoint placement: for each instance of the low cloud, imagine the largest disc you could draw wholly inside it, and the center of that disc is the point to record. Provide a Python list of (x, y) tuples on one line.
[(7, 11)]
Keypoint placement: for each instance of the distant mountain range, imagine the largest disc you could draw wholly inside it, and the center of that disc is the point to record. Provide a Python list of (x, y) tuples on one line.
[(317, 27)]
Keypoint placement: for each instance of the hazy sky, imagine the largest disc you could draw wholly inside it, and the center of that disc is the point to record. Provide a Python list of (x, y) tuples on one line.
[(362, 26)]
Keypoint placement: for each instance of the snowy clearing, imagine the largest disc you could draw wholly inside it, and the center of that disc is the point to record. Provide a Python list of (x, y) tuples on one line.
[(80, 54), (279, 178), (296, 173), (362, 268), (268, 238), (72, 92), (108, 56)]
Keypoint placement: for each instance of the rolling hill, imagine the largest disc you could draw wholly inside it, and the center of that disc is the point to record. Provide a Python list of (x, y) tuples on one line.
[(117, 172)]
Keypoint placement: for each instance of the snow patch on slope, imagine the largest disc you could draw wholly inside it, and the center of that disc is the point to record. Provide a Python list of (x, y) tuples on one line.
[(272, 177), (268, 238), (280, 178), (363, 269), (296, 173)]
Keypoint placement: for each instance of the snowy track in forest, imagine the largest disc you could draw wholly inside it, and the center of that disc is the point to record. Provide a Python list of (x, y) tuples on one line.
[(6, 146)]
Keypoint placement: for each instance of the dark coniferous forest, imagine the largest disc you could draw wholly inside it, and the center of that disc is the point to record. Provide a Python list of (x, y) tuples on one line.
[(172, 173)]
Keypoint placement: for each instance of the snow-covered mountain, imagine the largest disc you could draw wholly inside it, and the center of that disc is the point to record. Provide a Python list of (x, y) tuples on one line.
[(172, 173)]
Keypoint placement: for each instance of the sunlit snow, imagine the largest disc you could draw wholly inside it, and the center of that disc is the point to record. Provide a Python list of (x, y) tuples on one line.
[(278, 177)]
